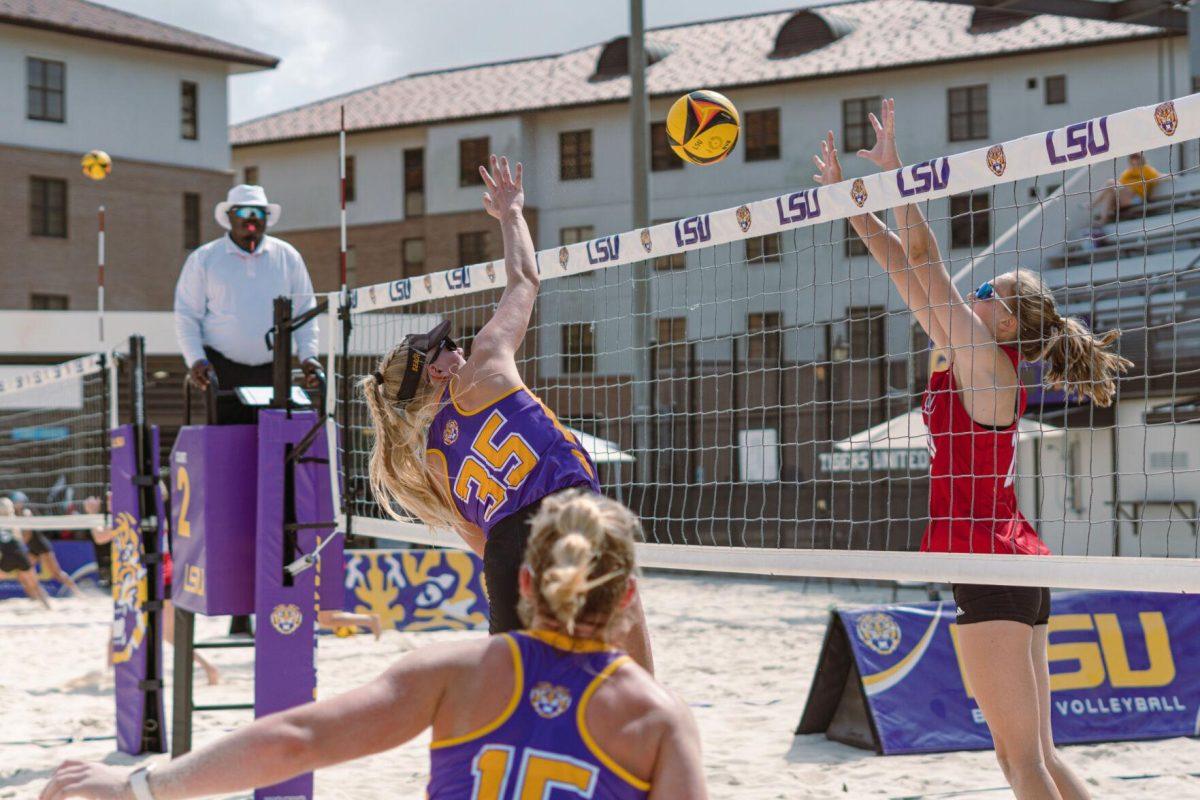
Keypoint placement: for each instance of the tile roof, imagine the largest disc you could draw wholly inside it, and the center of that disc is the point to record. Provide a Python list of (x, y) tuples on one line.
[(95, 21), (715, 54)]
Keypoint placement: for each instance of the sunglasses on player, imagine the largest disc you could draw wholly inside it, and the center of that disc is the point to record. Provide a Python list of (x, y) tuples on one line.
[(987, 291), (446, 344), (250, 212)]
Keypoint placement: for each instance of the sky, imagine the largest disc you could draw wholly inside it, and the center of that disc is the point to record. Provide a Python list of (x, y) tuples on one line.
[(329, 47)]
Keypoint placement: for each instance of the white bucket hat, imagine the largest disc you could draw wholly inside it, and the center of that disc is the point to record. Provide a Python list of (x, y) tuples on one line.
[(245, 195)]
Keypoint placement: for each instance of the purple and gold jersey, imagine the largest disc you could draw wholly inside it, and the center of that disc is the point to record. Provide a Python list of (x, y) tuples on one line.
[(505, 456), (540, 742)]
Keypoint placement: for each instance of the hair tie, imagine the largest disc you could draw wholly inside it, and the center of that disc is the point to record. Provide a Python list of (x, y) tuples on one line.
[(378, 376)]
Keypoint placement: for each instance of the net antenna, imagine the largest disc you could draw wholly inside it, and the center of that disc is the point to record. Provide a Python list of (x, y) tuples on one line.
[(784, 433)]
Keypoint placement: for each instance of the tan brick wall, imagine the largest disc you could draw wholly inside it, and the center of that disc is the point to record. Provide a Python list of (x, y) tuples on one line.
[(377, 247), (145, 249)]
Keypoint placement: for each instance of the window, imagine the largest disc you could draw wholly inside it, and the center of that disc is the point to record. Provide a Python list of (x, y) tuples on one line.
[(48, 302), (1056, 90), (574, 155), (351, 181), (472, 247), (970, 220), (414, 182), (672, 348), (968, 106), (191, 220), (412, 257), (851, 243), (761, 249), (857, 133), (472, 154), (576, 234), (673, 261), (48, 207), (250, 176), (45, 83), (662, 157), (865, 330), (764, 332), (579, 347), (762, 135), (189, 127)]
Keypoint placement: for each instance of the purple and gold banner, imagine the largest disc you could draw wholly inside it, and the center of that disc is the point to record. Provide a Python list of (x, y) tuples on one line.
[(131, 640), (77, 558), (418, 590), (1123, 665)]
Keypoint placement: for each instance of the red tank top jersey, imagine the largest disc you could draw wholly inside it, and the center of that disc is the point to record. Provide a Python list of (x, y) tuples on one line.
[(972, 471)]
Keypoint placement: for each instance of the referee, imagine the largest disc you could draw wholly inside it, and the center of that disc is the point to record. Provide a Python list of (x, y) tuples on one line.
[(224, 306)]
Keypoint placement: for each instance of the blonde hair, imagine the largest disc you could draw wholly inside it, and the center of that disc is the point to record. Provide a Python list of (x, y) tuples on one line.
[(581, 556), (7, 508), (399, 471), (1077, 360)]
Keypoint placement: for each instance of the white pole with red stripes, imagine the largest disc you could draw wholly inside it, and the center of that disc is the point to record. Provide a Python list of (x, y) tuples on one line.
[(100, 273), (342, 174)]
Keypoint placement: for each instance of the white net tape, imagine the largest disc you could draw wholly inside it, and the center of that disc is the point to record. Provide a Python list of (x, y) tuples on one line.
[(54, 442), (769, 418)]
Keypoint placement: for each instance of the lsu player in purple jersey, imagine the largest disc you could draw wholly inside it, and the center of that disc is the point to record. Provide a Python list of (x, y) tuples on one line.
[(550, 712), (463, 444)]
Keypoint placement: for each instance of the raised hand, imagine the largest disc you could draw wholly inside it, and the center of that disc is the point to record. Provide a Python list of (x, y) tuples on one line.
[(830, 169), (505, 193), (884, 154)]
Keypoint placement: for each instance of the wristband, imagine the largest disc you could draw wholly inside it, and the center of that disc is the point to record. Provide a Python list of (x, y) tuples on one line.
[(139, 782)]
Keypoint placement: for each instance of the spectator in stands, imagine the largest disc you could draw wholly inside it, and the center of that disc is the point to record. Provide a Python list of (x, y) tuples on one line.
[(14, 557), (38, 544), (1133, 187), (224, 306)]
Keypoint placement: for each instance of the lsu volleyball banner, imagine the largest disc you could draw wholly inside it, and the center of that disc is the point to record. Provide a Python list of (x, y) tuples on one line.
[(417, 590), (139, 703), (1123, 665), (77, 558), (1080, 144)]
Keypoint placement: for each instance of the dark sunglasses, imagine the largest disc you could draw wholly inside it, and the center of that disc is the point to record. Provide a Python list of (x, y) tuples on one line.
[(987, 291), (446, 344), (250, 212)]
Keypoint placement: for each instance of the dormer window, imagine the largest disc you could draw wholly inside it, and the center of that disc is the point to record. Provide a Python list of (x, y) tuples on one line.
[(993, 20), (613, 61), (809, 30)]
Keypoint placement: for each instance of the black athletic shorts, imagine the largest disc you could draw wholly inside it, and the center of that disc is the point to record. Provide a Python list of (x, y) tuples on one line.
[(503, 555), (13, 557), (983, 603), (38, 544)]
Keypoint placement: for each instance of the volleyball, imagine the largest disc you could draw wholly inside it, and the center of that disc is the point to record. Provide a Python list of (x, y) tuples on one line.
[(96, 165), (702, 127)]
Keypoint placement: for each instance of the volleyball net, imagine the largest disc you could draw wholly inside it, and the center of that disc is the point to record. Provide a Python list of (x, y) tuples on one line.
[(54, 424), (749, 381)]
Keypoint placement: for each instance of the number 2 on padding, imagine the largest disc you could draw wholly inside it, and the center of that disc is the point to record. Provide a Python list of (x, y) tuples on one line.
[(539, 774)]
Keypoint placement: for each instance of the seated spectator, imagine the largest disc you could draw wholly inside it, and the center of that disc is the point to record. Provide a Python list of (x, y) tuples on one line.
[(1133, 187)]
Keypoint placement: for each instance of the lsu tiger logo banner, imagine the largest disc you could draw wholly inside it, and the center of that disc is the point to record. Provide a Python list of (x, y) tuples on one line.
[(1123, 666), (418, 590)]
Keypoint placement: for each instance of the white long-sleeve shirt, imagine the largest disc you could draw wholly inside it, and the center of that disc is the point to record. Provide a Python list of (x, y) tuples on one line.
[(225, 299)]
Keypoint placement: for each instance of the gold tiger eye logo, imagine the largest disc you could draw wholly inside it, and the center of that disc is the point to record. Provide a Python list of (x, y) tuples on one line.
[(743, 218), (450, 434), (858, 192), (549, 700), (996, 160), (879, 632), (1167, 118), (286, 618), (647, 242), (564, 256)]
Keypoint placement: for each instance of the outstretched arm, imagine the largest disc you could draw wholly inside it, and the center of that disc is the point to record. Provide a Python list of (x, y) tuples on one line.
[(494, 349), (978, 361), (884, 245), (385, 713)]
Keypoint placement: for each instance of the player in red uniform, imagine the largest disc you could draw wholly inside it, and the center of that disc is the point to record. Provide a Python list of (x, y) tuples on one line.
[(971, 409)]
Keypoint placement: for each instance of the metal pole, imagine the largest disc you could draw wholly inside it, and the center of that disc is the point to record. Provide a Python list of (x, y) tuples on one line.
[(639, 141), (100, 273), (1193, 28), (342, 175), (282, 364)]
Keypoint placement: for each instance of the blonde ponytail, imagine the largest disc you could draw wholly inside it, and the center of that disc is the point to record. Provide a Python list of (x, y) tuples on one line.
[(1076, 360), (402, 481), (581, 554)]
